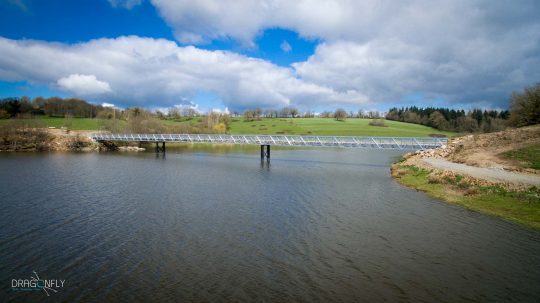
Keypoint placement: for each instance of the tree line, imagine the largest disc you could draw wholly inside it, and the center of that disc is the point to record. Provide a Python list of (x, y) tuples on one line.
[(446, 119), (524, 110), (52, 107)]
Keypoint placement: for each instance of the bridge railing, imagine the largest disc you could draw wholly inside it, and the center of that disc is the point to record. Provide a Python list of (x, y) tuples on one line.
[(282, 140)]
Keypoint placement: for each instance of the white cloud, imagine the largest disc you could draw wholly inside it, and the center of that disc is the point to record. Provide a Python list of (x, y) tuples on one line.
[(352, 20), (105, 104), (158, 72), (219, 110), (467, 50), (83, 85), (285, 46)]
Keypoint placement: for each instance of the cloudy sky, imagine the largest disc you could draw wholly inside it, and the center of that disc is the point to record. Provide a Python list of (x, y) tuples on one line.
[(238, 54)]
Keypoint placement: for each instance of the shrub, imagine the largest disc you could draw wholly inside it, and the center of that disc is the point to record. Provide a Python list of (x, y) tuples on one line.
[(377, 122)]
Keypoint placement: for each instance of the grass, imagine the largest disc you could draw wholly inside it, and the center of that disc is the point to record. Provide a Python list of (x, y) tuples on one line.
[(331, 127), (520, 207), (528, 157), (77, 123), (296, 126)]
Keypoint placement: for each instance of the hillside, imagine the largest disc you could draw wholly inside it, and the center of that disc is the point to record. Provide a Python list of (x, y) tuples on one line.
[(296, 126), (331, 127)]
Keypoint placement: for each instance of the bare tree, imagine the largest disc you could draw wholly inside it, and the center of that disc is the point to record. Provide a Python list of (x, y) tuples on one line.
[(293, 111), (340, 114), (173, 113), (525, 107)]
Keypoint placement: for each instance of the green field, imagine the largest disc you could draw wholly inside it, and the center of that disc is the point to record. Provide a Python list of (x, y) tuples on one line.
[(331, 127), (297, 126), (77, 123), (528, 157), (323, 127)]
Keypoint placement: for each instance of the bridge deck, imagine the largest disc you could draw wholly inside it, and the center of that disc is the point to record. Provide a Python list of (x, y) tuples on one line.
[(282, 140)]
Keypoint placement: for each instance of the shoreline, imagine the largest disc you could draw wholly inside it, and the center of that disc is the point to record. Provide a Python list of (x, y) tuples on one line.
[(494, 186)]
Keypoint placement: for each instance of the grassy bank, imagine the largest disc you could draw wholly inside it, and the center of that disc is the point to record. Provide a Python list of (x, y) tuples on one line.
[(526, 157), (522, 207)]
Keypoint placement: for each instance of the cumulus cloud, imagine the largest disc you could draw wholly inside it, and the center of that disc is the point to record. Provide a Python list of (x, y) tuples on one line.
[(333, 20), (457, 50), (83, 85), (158, 72), (373, 52)]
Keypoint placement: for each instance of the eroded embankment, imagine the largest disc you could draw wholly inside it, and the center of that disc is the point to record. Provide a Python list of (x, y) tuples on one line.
[(472, 172), (37, 139)]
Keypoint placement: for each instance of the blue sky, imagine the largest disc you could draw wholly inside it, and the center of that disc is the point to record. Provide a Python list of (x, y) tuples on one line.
[(315, 55)]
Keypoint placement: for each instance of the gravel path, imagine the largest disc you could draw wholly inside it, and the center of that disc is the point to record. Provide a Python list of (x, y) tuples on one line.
[(490, 174)]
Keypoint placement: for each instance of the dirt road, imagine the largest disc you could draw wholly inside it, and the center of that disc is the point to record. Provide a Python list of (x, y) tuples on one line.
[(490, 174)]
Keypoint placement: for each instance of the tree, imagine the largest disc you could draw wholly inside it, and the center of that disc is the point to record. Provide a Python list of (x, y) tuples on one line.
[(294, 112), (210, 120), (437, 120), (525, 107), (249, 115), (173, 113), (190, 112), (340, 114), (325, 114), (285, 112), (68, 121)]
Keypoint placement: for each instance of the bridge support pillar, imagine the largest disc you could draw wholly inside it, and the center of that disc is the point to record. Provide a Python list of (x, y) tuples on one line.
[(160, 149), (265, 154)]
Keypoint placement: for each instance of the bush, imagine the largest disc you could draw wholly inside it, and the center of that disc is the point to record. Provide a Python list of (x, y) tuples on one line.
[(78, 143), (377, 122), (24, 134)]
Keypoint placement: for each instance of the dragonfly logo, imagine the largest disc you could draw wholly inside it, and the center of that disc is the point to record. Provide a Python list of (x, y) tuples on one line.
[(35, 283)]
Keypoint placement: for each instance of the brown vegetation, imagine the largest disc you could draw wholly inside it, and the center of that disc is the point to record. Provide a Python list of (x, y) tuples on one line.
[(525, 107), (377, 122), (31, 135)]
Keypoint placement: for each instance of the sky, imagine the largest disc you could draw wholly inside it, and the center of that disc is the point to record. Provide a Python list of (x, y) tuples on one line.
[(238, 54)]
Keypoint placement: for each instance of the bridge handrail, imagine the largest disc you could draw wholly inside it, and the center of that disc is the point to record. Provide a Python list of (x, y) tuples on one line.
[(284, 140)]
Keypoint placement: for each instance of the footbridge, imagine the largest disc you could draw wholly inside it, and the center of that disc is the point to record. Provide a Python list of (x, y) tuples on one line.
[(403, 143)]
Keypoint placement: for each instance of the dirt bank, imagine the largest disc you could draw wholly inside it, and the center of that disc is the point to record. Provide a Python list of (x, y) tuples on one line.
[(472, 172), (485, 150), (481, 156), (71, 141), (40, 139)]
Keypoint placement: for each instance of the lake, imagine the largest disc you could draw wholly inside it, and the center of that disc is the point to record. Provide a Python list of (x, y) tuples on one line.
[(215, 224)]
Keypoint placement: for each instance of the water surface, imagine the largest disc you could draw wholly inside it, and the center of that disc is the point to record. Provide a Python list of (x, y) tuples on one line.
[(214, 225)]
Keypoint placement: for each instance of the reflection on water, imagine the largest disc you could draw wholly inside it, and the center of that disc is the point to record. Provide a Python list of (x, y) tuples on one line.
[(215, 223)]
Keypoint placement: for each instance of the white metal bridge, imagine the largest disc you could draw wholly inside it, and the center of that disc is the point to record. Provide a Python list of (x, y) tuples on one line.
[(281, 140)]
